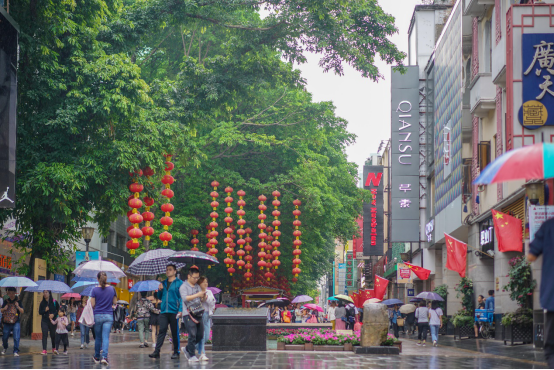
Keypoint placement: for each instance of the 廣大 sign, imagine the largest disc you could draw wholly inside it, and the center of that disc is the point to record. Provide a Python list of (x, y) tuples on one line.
[(405, 155), (537, 56), (373, 212)]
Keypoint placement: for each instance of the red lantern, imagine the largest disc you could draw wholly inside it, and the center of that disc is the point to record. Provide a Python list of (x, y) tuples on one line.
[(168, 193), (135, 203), (148, 172), (135, 218), (296, 271), (296, 261), (135, 233), (148, 216), (147, 231), (168, 180), (169, 166), (296, 252), (231, 271), (276, 263), (165, 237), (136, 187), (132, 245), (166, 221)]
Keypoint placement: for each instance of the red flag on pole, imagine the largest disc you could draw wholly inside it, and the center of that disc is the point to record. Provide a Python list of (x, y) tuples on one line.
[(380, 286), (420, 272), (508, 230), (365, 295), (456, 255), (355, 298)]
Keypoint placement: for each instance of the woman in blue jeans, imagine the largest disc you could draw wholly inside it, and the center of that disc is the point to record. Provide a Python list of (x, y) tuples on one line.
[(435, 322), (102, 299), (209, 306), (84, 330)]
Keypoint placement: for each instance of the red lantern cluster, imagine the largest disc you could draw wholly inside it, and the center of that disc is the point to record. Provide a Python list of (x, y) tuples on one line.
[(241, 232), (134, 216), (194, 240), (276, 234), (229, 261), (297, 243), (248, 258), (212, 235), (167, 207)]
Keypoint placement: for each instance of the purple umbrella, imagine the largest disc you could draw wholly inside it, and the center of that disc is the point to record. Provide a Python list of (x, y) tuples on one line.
[(416, 300), (214, 290), (430, 296), (302, 299)]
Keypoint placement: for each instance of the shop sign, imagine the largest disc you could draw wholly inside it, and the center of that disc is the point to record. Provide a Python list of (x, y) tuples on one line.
[(129, 283), (373, 236), (537, 56), (537, 216), (411, 292), (487, 235), (85, 256), (405, 155), (5, 262), (59, 277), (429, 230)]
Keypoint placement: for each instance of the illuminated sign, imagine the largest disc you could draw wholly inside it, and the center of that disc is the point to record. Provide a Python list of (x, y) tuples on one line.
[(487, 236), (373, 235)]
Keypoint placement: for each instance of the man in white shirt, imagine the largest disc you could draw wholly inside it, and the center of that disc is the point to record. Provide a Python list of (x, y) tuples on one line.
[(331, 314)]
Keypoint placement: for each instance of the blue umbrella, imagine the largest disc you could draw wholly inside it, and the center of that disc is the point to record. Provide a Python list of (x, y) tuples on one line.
[(16, 282), (392, 302), (52, 285), (82, 285), (145, 286), (332, 299), (93, 279), (88, 290), (430, 296)]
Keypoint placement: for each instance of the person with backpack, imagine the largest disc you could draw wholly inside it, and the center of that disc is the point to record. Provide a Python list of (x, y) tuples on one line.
[(48, 306), (144, 308), (350, 316), (192, 297), (11, 312)]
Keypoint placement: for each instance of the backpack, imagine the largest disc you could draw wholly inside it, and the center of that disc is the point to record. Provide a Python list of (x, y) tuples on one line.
[(350, 311), (11, 315)]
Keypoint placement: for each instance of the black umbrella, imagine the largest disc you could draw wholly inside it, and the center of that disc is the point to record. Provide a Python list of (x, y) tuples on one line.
[(194, 258), (278, 302)]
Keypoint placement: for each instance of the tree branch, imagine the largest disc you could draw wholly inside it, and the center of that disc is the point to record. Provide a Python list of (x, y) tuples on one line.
[(155, 49), (217, 22)]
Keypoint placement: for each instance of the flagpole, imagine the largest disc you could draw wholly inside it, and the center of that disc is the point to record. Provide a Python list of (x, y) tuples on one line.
[(478, 250)]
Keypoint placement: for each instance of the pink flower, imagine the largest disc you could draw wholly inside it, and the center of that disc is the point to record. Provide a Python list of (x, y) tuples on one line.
[(529, 293)]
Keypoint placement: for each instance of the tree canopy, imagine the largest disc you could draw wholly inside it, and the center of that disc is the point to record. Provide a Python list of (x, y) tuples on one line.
[(107, 86)]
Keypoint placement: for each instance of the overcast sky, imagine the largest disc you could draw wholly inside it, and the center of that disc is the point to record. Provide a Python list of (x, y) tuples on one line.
[(363, 103)]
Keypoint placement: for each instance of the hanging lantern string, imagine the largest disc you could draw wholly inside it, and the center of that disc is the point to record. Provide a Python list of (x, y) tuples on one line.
[(276, 234), (229, 261), (167, 207), (297, 243), (214, 215), (134, 216), (240, 232)]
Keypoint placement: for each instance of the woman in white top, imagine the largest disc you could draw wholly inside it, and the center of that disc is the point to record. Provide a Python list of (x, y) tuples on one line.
[(435, 322), (208, 302), (298, 314), (422, 317)]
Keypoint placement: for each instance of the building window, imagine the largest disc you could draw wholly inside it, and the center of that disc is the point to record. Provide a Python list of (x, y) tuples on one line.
[(466, 180), (487, 47), (484, 154)]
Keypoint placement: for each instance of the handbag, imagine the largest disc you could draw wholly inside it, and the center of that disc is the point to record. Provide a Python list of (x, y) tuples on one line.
[(399, 321), (196, 309)]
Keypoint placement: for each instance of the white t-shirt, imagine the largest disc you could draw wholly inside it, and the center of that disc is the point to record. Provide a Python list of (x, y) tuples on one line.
[(331, 313), (435, 316), (421, 315)]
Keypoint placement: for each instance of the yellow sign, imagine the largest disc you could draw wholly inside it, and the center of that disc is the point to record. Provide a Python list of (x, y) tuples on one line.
[(534, 113), (38, 274)]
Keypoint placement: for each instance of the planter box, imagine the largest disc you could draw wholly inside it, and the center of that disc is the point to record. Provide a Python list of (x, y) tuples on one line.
[(308, 347), (517, 334), (329, 348), (348, 347), (466, 332), (399, 345), (280, 346), (273, 337), (208, 347), (294, 347)]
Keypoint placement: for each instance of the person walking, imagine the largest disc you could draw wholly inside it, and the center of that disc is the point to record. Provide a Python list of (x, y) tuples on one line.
[(118, 317), (435, 322), (286, 315), (410, 323), (144, 309), (154, 319), (298, 314), (543, 245), (209, 306), (171, 305), (48, 306), (340, 317), (422, 317), (62, 334), (11, 312), (193, 310), (83, 329), (489, 303), (72, 313), (331, 314), (480, 306), (102, 300), (394, 315)]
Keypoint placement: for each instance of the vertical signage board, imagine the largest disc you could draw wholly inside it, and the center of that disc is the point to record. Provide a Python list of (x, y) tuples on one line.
[(405, 155), (373, 212)]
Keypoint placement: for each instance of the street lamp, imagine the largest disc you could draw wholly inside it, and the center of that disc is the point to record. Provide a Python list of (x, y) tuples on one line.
[(532, 190), (87, 233)]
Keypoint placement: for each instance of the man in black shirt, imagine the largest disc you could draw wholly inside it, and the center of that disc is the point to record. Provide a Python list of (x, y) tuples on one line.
[(11, 311)]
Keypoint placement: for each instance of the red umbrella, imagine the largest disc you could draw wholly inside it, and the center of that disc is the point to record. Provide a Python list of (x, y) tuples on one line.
[(77, 296), (312, 306)]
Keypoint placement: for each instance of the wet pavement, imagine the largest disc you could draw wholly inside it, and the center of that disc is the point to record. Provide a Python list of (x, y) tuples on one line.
[(124, 353)]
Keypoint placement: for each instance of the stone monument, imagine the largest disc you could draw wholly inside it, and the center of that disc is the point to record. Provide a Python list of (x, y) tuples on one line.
[(239, 329), (374, 330)]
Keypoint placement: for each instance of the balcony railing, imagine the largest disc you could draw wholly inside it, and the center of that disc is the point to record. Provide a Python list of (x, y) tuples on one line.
[(482, 96)]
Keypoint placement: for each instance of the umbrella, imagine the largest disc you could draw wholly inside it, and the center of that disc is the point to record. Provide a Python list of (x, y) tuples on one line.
[(277, 302), (194, 258), (430, 296), (392, 302), (71, 295), (302, 299), (220, 305), (92, 268), (343, 297), (313, 307), (407, 308), (373, 300), (145, 286), (16, 282), (82, 285), (416, 300), (214, 290), (260, 305), (92, 279), (528, 162), (121, 301), (332, 299), (88, 290), (153, 262), (284, 299), (51, 285)]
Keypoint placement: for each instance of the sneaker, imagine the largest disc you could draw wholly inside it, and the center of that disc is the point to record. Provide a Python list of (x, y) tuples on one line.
[(434, 343), (15, 354), (3, 351), (187, 356), (154, 355), (44, 352), (82, 346), (204, 358), (418, 344), (175, 356), (65, 353), (72, 334), (105, 361), (193, 359), (146, 344), (96, 360), (56, 352), (141, 346), (423, 344)]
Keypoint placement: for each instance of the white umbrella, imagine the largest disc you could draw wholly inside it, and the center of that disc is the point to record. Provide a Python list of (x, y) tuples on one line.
[(92, 268), (17, 282), (407, 308)]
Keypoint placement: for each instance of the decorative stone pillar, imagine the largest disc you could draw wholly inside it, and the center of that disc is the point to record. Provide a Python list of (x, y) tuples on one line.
[(376, 325)]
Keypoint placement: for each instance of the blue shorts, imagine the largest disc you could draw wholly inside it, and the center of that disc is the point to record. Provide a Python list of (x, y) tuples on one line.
[(73, 317)]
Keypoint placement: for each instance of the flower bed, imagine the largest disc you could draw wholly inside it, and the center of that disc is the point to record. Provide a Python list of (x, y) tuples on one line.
[(320, 338)]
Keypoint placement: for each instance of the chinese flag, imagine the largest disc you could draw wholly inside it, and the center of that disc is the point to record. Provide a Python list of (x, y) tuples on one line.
[(420, 272), (355, 298), (508, 230), (380, 286), (456, 255), (365, 295)]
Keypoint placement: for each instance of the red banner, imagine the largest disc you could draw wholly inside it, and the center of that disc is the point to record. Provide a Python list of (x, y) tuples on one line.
[(129, 284), (358, 243)]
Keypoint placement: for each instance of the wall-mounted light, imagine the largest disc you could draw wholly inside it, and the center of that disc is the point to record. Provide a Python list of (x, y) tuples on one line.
[(532, 190)]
